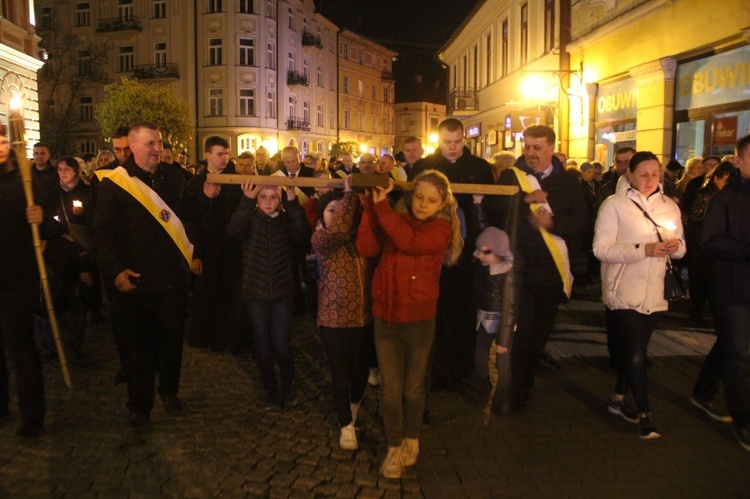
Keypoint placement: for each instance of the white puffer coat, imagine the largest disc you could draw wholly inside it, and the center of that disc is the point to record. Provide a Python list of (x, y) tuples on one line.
[(630, 279)]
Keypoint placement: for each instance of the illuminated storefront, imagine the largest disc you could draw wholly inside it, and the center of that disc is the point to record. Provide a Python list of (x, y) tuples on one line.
[(712, 104), (616, 119)]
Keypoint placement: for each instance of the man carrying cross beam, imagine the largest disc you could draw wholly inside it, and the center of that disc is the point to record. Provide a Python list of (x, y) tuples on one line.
[(552, 216)]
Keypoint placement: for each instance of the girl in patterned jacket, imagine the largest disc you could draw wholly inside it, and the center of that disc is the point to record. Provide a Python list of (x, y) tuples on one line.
[(344, 305)]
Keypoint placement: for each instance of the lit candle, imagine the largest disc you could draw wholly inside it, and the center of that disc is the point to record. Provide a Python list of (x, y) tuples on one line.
[(77, 207), (669, 229)]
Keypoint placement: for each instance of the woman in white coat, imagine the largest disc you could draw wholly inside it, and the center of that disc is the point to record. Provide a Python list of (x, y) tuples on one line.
[(633, 267)]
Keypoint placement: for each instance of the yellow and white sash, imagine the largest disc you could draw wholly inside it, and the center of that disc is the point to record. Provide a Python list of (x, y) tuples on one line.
[(555, 244), (398, 174), (155, 205)]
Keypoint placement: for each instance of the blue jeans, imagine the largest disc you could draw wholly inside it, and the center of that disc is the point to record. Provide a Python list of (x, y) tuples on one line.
[(729, 361), (272, 326)]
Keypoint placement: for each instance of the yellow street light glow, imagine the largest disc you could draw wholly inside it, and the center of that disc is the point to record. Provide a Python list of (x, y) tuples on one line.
[(429, 150), (433, 139), (363, 148), (532, 86)]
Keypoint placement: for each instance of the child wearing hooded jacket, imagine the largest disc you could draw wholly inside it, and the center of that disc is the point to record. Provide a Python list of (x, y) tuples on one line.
[(344, 305), (494, 262), (411, 247)]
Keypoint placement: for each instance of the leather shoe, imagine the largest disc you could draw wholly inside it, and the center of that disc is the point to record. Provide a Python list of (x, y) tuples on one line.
[(139, 420), (172, 405)]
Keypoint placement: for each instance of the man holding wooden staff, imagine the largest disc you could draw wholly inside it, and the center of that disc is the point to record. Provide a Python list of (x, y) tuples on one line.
[(19, 288)]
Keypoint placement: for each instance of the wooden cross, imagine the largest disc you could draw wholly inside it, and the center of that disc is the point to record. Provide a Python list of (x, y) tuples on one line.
[(359, 181)]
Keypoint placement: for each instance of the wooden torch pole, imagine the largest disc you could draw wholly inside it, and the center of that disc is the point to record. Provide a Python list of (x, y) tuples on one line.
[(18, 143)]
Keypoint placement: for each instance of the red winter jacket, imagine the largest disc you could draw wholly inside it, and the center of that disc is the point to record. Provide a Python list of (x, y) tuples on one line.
[(406, 283)]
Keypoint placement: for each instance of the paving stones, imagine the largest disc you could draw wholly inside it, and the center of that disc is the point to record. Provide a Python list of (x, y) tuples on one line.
[(564, 444)]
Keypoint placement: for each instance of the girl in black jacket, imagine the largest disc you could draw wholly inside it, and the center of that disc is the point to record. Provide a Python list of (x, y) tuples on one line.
[(269, 233)]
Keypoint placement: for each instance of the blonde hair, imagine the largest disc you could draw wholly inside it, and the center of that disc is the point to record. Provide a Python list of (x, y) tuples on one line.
[(449, 211)]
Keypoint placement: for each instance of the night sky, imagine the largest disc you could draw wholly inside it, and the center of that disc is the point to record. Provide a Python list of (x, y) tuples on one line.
[(426, 22)]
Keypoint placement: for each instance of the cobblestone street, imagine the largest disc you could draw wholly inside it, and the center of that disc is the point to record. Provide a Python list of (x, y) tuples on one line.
[(565, 444)]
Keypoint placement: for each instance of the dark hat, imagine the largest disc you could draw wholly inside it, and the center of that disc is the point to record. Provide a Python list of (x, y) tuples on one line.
[(586, 166), (400, 157), (496, 239)]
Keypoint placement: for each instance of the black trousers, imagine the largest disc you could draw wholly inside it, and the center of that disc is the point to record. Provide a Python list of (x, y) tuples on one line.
[(155, 329), (632, 333), (347, 350), (536, 316), (17, 341), (119, 325)]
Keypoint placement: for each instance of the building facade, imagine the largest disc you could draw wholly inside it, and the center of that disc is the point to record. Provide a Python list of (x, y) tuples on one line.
[(671, 77), (254, 72), (503, 64), (418, 119), (366, 93), (667, 76), (19, 63)]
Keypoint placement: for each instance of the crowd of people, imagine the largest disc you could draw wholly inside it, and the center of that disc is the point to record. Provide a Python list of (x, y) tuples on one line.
[(412, 288)]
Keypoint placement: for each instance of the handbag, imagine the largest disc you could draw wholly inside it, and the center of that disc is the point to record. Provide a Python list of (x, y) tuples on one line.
[(674, 286)]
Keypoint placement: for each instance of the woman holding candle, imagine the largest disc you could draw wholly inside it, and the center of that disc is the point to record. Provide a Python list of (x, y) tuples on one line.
[(636, 230), (71, 206)]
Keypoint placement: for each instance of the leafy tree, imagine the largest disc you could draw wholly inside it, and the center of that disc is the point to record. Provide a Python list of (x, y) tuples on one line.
[(130, 101), (339, 148), (74, 69)]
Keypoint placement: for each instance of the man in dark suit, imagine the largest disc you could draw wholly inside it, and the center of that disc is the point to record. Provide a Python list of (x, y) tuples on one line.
[(293, 168)]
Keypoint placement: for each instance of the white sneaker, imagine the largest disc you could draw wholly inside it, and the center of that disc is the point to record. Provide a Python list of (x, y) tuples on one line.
[(374, 378), (348, 439), (409, 451), (392, 466), (355, 409)]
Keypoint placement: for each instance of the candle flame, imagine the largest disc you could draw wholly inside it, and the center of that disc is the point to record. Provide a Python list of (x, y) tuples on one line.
[(15, 102), (77, 203)]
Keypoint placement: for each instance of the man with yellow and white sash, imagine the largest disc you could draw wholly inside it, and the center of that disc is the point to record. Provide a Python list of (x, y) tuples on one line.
[(552, 217), (144, 251)]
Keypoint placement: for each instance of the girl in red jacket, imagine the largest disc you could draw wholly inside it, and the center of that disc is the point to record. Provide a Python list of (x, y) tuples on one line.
[(412, 247)]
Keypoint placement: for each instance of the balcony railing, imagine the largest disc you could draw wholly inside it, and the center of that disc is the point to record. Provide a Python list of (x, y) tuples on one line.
[(296, 78), (311, 40), (294, 123), (112, 24), (148, 71), (463, 99), (385, 75)]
